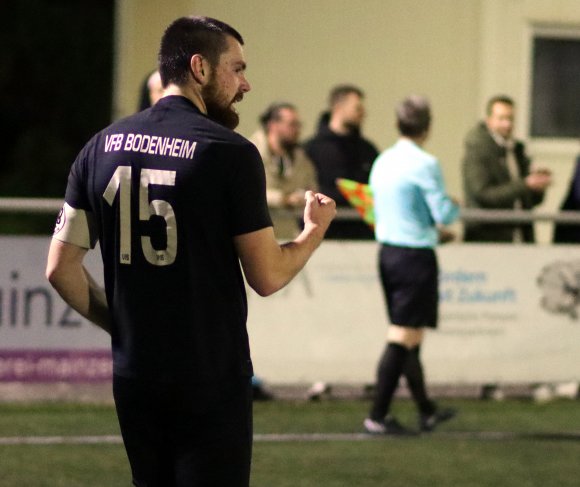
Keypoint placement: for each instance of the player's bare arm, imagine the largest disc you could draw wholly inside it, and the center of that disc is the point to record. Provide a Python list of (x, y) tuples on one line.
[(269, 266), (76, 286)]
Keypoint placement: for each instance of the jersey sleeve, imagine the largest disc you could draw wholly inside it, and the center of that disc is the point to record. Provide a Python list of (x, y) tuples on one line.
[(75, 223), (248, 205), (442, 208)]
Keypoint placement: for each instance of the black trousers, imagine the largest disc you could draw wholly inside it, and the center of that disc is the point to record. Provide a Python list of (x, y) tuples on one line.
[(187, 434)]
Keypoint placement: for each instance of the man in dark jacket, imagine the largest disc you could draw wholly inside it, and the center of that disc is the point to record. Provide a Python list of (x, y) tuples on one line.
[(570, 233), (496, 175), (338, 150)]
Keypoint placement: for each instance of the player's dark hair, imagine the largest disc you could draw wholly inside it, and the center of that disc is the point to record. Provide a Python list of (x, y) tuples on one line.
[(188, 36), (413, 116), (272, 113), (338, 93), (498, 99)]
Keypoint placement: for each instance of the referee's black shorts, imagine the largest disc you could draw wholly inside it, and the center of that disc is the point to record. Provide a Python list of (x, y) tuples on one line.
[(186, 434), (410, 277)]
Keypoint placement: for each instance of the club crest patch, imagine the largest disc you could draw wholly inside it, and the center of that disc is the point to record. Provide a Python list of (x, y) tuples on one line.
[(60, 221)]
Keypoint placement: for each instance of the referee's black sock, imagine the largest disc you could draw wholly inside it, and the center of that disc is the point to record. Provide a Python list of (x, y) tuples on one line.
[(413, 372), (390, 369)]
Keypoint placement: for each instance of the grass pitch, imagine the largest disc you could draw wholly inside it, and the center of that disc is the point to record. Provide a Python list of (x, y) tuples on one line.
[(300, 444)]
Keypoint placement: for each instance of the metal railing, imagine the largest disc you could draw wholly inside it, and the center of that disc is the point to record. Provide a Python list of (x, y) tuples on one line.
[(30, 205), (479, 215), (53, 205)]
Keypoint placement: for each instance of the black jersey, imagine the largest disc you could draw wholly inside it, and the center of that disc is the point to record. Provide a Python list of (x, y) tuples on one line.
[(167, 189)]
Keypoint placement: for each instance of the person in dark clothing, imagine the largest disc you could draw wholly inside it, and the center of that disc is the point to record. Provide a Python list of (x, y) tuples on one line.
[(338, 150), (497, 174), (151, 90), (570, 233), (177, 201)]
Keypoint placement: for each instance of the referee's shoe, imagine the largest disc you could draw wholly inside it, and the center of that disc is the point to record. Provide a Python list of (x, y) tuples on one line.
[(428, 422), (388, 426)]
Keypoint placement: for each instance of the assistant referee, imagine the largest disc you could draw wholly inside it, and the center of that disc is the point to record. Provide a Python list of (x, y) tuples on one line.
[(410, 202)]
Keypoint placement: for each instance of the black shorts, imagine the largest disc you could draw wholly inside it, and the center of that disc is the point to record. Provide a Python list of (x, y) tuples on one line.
[(197, 434), (410, 279)]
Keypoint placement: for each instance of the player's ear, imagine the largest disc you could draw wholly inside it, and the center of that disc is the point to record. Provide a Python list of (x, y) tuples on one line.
[(199, 69)]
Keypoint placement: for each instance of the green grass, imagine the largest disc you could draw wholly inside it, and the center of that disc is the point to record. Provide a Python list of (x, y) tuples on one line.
[(63, 466), (55, 419), (346, 416), (543, 455)]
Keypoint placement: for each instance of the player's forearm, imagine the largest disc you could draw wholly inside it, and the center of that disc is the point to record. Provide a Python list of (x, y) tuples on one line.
[(98, 309), (81, 292), (268, 266), (308, 241), (295, 254)]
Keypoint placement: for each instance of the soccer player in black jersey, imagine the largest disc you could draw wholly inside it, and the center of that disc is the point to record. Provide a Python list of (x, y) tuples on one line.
[(177, 201)]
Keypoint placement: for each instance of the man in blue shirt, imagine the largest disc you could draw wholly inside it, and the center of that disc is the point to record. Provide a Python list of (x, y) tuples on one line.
[(410, 203)]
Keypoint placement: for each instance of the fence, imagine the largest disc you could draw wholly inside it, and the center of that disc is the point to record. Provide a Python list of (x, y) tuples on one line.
[(509, 313), (53, 205)]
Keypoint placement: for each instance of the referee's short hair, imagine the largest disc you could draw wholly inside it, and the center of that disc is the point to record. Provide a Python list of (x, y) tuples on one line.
[(186, 37), (272, 113), (413, 115)]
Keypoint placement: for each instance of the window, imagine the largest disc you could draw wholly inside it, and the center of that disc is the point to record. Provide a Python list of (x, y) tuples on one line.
[(555, 107)]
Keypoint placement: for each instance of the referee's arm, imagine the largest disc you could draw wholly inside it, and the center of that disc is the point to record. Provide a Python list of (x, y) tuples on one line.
[(268, 266)]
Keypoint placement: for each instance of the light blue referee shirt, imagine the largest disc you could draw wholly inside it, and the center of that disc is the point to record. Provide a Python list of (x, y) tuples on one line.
[(409, 196)]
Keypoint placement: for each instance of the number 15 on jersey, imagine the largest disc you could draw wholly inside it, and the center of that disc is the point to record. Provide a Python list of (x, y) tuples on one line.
[(120, 183)]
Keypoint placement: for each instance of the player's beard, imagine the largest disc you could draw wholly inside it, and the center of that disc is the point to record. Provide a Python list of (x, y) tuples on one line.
[(218, 109)]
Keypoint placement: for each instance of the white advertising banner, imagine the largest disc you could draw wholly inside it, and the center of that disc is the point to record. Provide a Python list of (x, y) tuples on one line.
[(508, 314), (41, 338)]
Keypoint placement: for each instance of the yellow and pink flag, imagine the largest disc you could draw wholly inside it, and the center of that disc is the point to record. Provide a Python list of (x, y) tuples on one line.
[(360, 197)]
